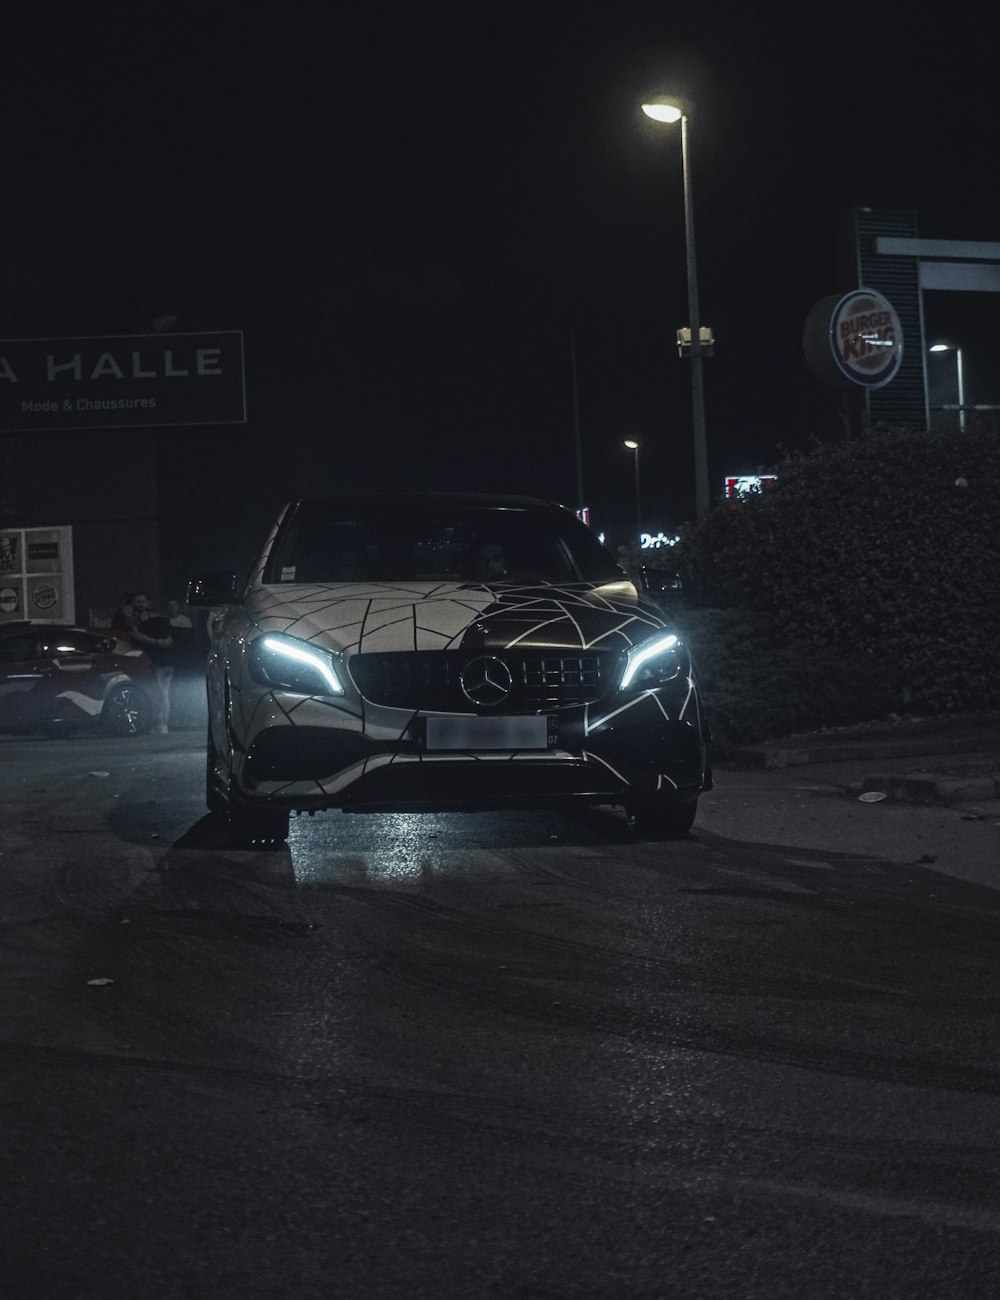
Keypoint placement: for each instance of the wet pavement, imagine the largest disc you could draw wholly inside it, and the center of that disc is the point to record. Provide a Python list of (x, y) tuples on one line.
[(913, 791), (519, 1057)]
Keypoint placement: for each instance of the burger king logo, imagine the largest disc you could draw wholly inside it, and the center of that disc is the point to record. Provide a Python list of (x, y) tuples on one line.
[(866, 337), (856, 339), (44, 596)]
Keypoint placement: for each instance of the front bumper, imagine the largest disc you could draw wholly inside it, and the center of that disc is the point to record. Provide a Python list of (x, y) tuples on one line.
[(308, 760)]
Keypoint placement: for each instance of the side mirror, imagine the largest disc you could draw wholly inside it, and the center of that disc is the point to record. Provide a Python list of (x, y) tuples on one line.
[(213, 589), (660, 583)]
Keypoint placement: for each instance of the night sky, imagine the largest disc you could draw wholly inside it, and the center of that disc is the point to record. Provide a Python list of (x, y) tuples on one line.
[(411, 210)]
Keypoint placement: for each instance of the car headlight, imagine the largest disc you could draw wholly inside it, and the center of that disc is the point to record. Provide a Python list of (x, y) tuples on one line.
[(280, 660), (652, 663)]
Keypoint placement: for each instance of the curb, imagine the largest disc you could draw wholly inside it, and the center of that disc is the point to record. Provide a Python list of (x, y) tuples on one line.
[(765, 756), (921, 789), (921, 768)]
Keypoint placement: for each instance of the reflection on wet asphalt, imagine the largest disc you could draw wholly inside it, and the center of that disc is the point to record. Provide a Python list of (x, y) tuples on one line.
[(482, 1055)]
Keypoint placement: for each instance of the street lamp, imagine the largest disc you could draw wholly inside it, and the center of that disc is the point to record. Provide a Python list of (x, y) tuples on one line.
[(662, 108), (633, 446), (947, 347)]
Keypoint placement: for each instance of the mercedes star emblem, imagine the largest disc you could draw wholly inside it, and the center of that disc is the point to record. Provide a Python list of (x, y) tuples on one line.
[(486, 681)]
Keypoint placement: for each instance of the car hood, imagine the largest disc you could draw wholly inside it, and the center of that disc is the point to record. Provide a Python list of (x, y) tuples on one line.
[(369, 618)]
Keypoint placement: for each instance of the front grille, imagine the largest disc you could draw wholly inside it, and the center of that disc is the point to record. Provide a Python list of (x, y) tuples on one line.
[(429, 679)]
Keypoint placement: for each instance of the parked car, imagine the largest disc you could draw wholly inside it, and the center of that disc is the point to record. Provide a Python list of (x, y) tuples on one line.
[(660, 583), (417, 652), (58, 679)]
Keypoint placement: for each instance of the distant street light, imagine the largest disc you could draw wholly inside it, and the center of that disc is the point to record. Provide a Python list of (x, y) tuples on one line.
[(667, 109), (633, 446), (948, 347)]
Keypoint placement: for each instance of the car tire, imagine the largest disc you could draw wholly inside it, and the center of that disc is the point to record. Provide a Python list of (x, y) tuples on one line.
[(655, 817), (127, 710), (215, 797)]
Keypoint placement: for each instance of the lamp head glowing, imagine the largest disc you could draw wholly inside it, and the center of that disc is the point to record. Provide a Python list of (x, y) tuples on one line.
[(662, 109), (631, 444)]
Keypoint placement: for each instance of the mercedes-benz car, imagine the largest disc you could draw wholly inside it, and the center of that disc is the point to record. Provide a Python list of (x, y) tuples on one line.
[(58, 679), (431, 652)]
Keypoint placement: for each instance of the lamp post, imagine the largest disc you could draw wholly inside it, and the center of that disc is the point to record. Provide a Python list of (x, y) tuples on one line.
[(633, 446), (665, 109), (948, 347)]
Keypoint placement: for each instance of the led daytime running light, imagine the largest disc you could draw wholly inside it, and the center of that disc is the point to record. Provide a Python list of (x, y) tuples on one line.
[(641, 654), (304, 655)]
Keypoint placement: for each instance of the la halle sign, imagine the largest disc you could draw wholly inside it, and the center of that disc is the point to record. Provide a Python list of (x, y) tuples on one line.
[(126, 381)]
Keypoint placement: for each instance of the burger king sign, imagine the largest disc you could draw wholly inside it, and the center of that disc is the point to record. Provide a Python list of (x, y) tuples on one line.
[(856, 339)]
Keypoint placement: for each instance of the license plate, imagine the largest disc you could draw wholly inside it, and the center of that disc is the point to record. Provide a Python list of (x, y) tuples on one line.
[(530, 732)]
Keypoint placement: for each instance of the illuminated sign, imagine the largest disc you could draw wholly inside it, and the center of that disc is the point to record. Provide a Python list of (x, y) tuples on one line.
[(127, 381), (857, 339), (654, 541), (738, 485)]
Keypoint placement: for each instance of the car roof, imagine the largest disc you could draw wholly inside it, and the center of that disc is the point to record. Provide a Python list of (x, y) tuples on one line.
[(488, 500)]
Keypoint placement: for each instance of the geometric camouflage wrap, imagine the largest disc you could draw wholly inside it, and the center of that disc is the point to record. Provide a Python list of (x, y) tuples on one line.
[(493, 657)]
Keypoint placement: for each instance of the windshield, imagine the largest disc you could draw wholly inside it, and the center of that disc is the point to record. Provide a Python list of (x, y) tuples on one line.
[(404, 540)]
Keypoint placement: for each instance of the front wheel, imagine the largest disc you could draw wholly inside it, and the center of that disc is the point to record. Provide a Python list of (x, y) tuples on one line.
[(215, 798), (247, 825), (655, 817), (127, 710)]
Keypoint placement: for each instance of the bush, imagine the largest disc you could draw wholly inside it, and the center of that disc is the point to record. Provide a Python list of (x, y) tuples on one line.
[(863, 583), (759, 685)]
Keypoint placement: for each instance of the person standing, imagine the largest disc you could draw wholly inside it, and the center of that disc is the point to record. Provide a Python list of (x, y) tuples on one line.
[(176, 615), (152, 632), (189, 658), (123, 617), (185, 651)]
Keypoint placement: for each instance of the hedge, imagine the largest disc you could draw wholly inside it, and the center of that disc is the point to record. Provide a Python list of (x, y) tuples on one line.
[(864, 583)]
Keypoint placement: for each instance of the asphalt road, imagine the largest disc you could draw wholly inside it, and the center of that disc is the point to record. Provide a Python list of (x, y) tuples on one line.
[(483, 1056)]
